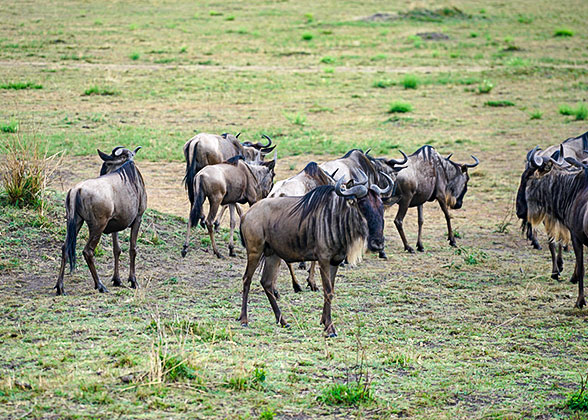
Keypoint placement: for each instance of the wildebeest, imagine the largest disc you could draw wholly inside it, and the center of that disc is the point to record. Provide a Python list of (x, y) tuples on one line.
[(209, 149), (326, 225), (303, 182), (232, 182), (108, 204), (347, 167), (557, 195), (429, 176), (574, 147)]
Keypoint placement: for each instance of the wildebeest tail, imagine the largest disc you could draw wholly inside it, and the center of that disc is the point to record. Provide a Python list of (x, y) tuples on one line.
[(71, 204), (198, 200), (190, 171)]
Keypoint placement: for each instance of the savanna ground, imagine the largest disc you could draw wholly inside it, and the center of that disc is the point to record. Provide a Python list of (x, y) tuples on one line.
[(480, 331)]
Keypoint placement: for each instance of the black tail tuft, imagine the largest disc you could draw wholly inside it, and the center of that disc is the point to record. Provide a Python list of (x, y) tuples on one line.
[(198, 200), (71, 235), (190, 172)]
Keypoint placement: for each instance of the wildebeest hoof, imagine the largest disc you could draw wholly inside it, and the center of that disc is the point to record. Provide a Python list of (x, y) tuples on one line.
[(60, 292), (573, 280), (134, 284), (555, 276), (296, 287), (409, 249), (313, 287), (581, 302), (420, 248), (382, 255), (537, 246), (245, 324), (216, 226), (116, 282), (331, 335), (452, 243), (276, 294), (302, 266), (219, 255), (184, 251), (232, 252), (102, 289)]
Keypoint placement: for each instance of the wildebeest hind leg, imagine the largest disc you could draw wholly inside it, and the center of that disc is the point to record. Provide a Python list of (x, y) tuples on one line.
[(88, 252), (271, 268), (420, 221), (578, 276), (402, 209), (295, 284), (220, 217), (253, 257), (554, 266), (133, 252), (310, 279), (214, 204), (233, 224), (116, 252)]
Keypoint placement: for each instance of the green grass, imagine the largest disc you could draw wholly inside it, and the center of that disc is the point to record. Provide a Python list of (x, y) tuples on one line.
[(563, 33), (400, 107), (485, 87), (101, 91), (535, 115), (410, 81), (20, 85), (9, 127), (580, 111), (307, 36), (134, 56), (352, 394), (501, 103)]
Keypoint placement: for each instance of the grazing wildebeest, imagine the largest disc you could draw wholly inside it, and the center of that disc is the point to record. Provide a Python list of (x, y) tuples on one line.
[(209, 149), (232, 182), (427, 177), (557, 195), (306, 180), (108, 204), (574, 147), (347, 167), (326, 225)]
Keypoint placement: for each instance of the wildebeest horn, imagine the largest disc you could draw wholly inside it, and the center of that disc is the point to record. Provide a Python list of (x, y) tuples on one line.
[(472, 165), (268, 139), (117, 151), (238, 134), (333, 174), (357, 191), (560, 157), (267, 150), (531, 152), (364, 179), (449, 156), (377, 189), (367, 151), (398, 162), (536, 162), (136, 150), (104, 156), (574, 162)]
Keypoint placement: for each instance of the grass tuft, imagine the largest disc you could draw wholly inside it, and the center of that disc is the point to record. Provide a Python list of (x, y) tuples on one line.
[(563, 33), (10, 127), (399, 107), (102, 91), (352, 394), (535, 115), (134, 56), (307, 36), (578, 401), (410, 81), (499, 104), (580, 112), (21, 85), (485, 87)]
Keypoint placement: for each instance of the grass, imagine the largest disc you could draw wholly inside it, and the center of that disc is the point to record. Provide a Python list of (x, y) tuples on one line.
[(134, 56), (535, 115), (580, 111), (307, 36), (500, 104), (346, 394), (410, 81), (563, 33), (101, 91), (20, 85), (485, 87), (9, 127), (399, 107)]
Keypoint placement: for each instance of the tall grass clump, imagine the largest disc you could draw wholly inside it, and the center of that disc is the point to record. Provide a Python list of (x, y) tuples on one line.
[(485, 87), (580, 112), (399, 107), (25, 169), (410, 81), (103, 91), (21, 85), (578, 401), (563, 32), (10, 127)]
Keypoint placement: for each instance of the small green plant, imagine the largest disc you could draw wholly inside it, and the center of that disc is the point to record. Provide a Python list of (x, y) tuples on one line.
[(296, 119), (410, 81), (267, 414), (580, 112), (485, 87), (21, 85), (535, 115), (215, 13), (566, 110), (379, 57), (473, 34), (309, 17), (525, 19), (102, 91), (499, 104), (399, 107), (328, 60), (183, 50), (242, 382), (230, 18), (382, 84), (134, 56), (307, 36), (10, 127), (563, 32), (176, 368), (578, 401), (329, 70), (471, 256), (350, 394)]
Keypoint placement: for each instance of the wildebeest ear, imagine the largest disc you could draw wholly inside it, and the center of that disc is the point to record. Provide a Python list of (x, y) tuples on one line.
[(136, 150), (104, 156)]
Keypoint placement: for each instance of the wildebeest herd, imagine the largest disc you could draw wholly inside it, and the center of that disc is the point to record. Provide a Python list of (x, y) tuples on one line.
[(326, 214)]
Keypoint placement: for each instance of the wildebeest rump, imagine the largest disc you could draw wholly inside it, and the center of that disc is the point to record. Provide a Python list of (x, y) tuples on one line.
[(557, 195), (326, 225), (235, 181), (429, 176), (108, 204)]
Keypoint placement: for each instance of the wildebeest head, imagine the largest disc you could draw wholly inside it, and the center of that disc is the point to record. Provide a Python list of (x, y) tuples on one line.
[(256, 151), (457, 184), (264, 172), (118, 157), (370, 205)]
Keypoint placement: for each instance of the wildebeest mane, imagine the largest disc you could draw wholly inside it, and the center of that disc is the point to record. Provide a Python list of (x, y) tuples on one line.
[(235, 160), (313, 200), (426, 150), (127, 172), (350, 152), (584, 138)]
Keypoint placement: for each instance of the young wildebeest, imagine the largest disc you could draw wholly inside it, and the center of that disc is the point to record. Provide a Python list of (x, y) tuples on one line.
[(209, 149), (574, 147), (108, 204), (326, 225), (347, 167), (427, 177), (558, 196), (232, 182), (303, 182)]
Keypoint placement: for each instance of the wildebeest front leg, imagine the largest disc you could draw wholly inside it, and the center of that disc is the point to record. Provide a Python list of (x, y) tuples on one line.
[(310, 279), (233, 224), (116, 252), (89, 257), (271, 267), (328, 273), (214, 204), (220, 216), (133, 252), (59, 285), (295, 284), (420, 221), (555, 270), (187, 241), (445, 211), (402, 209), (578, 276), (253, 257)]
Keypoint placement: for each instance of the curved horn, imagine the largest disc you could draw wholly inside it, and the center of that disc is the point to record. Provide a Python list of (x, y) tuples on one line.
[(136, 150), (104, 156), (333, 174), (357, 191), (472, 165), (268, 139), (574, 162), (238, 134), (377, 189), (399, 162), (368, 150), (449, 156), (267, 149), (532, 151), (117, 150), (363, 180), (535, 161), (560, 158)]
